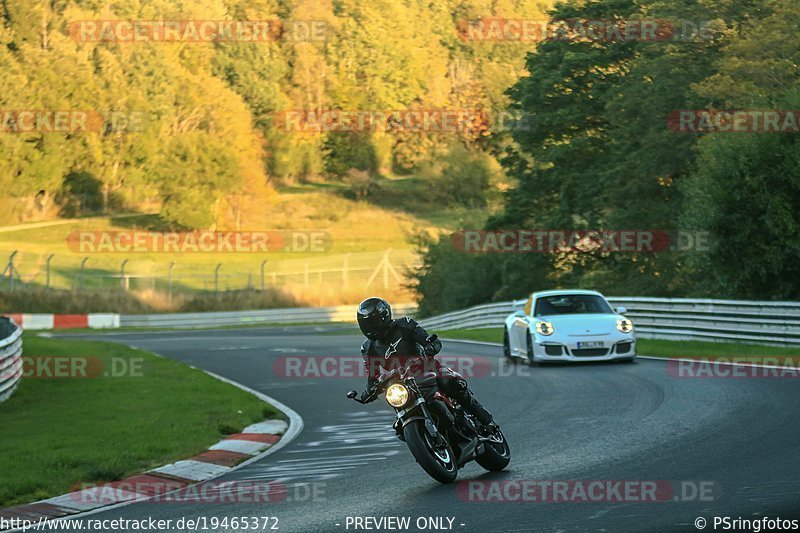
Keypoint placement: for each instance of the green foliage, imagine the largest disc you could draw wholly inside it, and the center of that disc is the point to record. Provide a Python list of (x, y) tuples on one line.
[(461, 177), (345, 151), (207, 141), (449, 279), (80, 193), (746, 195), (599, 155)]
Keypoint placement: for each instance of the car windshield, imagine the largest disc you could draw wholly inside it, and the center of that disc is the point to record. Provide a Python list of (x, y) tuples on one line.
[(570, 304)]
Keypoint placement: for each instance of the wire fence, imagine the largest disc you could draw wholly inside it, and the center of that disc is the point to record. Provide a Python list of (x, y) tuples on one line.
[(353, 271)]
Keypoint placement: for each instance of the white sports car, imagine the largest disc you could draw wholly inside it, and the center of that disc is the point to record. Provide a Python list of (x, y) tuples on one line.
[(569, 326)]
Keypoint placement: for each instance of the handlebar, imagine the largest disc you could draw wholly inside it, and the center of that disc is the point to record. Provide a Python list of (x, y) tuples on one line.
[(353, 395), (373, 391)]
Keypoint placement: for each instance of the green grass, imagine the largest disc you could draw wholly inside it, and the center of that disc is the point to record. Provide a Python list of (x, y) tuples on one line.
[(658, 348), (59, 433), (354, 226), (359, 232), (483, 334), (712, 350)]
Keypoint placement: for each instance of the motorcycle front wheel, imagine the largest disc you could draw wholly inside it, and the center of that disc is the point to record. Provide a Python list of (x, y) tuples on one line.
[(436, 458)]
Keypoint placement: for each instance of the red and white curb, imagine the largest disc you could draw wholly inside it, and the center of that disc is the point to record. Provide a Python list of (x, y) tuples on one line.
[(36, 321), (235, 451)]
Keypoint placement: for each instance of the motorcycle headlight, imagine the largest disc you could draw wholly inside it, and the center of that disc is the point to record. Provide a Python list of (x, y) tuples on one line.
[(397, 395), (624, 325), (544, 328)]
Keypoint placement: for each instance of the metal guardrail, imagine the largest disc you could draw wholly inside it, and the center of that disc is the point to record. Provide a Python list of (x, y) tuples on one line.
[(715, 320), (320, 315), (10, 357), (759, 322), (659, 318), (480, 316)]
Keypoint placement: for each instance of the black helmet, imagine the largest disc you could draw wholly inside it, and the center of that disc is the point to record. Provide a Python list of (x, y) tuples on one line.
[(374, 317)]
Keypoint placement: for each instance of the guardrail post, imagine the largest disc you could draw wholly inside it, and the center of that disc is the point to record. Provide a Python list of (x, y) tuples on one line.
[(47, 267), (216, 277), (263, 265)]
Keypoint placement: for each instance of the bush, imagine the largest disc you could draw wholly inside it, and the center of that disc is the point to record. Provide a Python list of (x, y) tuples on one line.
[(80, 193), (345, 152), (189, 209), (360, 183), (449, 279), (461, 176)]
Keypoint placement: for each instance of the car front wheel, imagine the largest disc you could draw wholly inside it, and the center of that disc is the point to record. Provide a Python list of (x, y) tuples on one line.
[(529, 343), (507, 346)]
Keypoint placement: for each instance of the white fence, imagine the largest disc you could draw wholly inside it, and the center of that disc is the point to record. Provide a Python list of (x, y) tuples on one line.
[(667, 318), (10, 357)]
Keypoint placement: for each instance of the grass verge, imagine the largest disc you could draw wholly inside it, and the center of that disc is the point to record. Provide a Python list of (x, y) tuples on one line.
[(659, 348), (147, 412)]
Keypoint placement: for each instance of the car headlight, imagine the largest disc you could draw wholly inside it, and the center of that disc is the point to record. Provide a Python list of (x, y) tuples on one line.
[(624, 325), (544, 328), (397, 395)]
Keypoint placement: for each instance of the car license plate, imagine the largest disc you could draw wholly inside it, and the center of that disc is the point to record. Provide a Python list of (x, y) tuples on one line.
[(590, 344)]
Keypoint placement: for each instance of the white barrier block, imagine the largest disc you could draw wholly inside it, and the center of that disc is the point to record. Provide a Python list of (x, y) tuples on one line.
[(37, 321), (103, 320)]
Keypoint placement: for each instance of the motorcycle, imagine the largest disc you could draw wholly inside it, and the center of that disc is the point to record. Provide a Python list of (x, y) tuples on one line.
[(441, 435)]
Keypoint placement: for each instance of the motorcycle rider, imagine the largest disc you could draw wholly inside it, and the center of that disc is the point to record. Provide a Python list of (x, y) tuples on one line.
[(396, 342)]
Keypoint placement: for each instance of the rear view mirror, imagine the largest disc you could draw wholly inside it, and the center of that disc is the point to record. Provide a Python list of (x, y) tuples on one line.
[(621, 310)]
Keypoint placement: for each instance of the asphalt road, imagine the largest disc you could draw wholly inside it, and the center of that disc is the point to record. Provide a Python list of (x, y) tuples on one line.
[(738, 440)]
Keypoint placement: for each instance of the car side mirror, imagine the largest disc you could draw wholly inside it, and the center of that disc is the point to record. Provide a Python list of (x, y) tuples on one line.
[(621, 310)]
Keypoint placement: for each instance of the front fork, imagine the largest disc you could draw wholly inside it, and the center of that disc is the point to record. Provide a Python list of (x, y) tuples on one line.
[(418, 411)]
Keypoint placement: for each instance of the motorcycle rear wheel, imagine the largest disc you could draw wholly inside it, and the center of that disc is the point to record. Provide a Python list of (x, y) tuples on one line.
[(439, 462), (497, 453)]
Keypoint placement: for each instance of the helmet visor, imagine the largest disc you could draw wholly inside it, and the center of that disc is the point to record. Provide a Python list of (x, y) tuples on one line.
[(372, 326)]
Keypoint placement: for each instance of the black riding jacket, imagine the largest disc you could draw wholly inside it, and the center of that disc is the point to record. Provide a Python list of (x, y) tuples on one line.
[(404, 340)]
